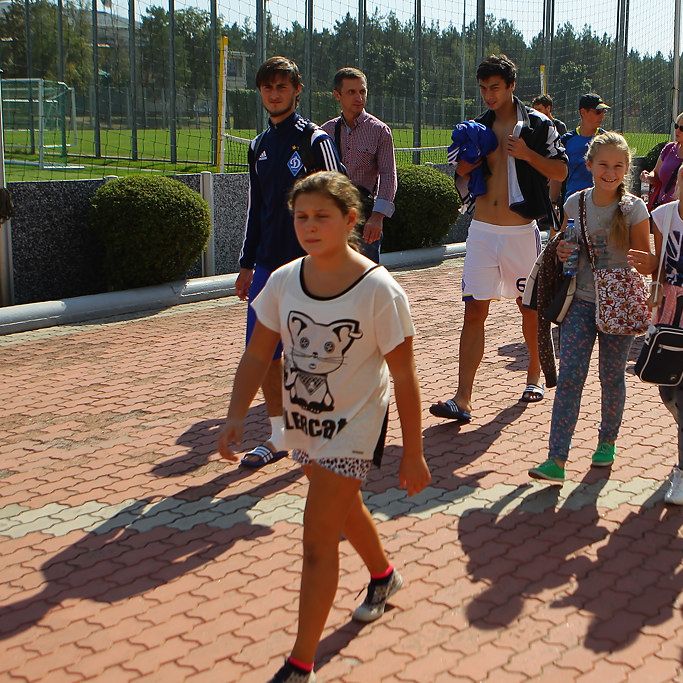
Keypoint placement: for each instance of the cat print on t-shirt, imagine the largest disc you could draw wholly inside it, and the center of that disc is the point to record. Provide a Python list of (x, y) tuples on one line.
[(317, 351)]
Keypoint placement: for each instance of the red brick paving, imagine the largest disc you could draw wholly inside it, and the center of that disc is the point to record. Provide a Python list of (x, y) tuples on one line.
[(525, 588)]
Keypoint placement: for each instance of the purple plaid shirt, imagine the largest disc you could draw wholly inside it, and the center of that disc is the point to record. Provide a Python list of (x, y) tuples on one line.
[(367, 151)]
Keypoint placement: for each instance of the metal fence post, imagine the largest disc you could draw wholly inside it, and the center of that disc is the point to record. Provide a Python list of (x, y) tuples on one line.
[(60, 72), (171, 78), (29, 72), (620, 66), (547, 38), (261, 118), (362, 12), (462, 62), (133, 89), (677, 63), (96, 81), (6, 265), (213, 37), (209, 255), (308, 60), (481, 24), (417, 98)]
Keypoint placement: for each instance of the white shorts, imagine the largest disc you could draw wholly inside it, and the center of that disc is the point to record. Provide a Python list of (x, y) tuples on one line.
[(499, 259)]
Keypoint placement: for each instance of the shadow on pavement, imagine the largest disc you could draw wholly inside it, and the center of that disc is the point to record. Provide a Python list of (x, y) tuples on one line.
[(634, 581), (518, 355), (331, 645), (527, 550), (201, 440), (438, 439), (141, 548)]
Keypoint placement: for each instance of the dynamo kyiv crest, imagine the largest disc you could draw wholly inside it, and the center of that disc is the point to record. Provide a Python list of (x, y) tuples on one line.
[(295, 164)]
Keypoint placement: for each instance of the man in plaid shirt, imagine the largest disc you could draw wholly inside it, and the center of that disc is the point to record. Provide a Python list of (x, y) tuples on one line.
[(366, 148)]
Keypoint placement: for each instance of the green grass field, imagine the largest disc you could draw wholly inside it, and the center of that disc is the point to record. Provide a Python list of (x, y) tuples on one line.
[(193, 151)]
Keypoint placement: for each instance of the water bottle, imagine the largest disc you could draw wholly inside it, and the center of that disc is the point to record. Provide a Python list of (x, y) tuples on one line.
[(571, 235), (645, 190)]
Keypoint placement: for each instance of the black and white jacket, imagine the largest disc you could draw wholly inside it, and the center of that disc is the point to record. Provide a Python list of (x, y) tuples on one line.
[(527, 188)]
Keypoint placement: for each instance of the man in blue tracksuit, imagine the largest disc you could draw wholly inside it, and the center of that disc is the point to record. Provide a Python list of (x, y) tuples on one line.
[(290, 148), (592, 111)]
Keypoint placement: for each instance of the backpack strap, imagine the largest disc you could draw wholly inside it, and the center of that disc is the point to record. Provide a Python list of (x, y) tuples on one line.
[(337, 137), (584, 229), (305, 147)]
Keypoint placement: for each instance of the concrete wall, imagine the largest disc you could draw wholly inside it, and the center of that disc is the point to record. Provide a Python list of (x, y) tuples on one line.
[(56, 255), (54, 251)]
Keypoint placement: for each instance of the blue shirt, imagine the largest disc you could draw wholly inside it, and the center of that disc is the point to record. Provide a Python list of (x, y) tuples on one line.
[(578, 176), (286, 152)]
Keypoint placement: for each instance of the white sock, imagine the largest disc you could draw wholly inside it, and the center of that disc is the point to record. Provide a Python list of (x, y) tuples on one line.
[(277, 432)]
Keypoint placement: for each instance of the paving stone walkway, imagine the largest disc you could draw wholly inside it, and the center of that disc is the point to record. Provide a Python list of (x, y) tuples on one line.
[(130, 551)]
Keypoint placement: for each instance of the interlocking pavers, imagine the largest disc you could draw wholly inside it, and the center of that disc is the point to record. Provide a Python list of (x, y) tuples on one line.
[(190, 567)]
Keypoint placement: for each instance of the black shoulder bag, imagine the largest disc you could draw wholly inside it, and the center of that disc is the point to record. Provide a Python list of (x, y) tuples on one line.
[(661, 358)]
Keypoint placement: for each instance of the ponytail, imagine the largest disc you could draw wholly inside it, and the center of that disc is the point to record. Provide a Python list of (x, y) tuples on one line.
[(619, 234)]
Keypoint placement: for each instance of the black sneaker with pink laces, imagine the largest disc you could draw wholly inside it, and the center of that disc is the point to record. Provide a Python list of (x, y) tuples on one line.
[(379, 591), (290, 673)]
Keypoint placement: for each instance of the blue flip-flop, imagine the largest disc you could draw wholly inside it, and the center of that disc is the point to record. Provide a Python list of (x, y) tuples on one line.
[(451, 411), (260, 456)]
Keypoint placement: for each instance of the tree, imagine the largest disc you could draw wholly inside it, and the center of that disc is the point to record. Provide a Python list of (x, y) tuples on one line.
[(43, 17)]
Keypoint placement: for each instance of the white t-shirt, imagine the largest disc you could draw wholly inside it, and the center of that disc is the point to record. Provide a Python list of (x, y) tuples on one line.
[(673, 263), (336, 382)]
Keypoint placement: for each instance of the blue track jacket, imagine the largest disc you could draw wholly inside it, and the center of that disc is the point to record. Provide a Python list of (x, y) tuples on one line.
[(283, 151)]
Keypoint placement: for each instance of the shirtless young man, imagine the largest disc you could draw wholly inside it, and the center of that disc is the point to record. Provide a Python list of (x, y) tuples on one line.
[(504, 240)]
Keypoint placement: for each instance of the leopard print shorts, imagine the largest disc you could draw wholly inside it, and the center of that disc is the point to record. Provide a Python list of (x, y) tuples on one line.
[(354, 468)]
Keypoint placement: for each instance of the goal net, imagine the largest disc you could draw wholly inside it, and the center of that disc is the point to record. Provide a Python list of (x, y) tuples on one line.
[(39, 121)]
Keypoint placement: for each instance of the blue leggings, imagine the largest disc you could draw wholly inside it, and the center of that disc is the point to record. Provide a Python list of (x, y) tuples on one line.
[(578, 333)]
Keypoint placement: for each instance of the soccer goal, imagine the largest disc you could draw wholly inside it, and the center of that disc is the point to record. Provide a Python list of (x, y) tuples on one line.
[(39, 119)]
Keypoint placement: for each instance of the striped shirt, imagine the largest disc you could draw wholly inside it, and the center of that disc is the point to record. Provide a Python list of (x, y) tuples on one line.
[(367, 151)]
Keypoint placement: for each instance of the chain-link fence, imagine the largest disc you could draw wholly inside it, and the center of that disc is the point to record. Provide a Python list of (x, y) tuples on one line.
[(139, 83)]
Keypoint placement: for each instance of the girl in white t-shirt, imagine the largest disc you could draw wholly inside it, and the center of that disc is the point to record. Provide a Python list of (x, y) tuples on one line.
[(670, 312), (345, 325)]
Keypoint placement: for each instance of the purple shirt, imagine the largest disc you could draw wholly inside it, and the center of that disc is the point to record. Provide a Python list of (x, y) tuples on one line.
[(669, 167), (367, 151)]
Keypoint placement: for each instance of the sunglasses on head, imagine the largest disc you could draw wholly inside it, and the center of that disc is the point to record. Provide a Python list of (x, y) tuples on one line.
[(678, 126)]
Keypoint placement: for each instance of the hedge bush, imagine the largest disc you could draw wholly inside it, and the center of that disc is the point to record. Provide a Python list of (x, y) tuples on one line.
[(426, 206), (153, 229)]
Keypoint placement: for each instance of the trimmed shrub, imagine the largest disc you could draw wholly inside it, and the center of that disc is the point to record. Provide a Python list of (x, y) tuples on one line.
[(650, 159), (153, 229), (426, 206)]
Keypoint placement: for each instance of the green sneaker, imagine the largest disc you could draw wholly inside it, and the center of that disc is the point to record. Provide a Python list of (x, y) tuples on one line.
[(604, 454), (548, 471)]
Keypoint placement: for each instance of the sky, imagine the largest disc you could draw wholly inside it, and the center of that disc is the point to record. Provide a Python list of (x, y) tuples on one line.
[(650, 24)]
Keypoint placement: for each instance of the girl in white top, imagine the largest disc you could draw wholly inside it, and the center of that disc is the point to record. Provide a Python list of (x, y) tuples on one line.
[(669, 302), (345, 325)]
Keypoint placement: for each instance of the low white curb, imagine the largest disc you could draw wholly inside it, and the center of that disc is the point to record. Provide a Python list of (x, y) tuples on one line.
[(25, 317)]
